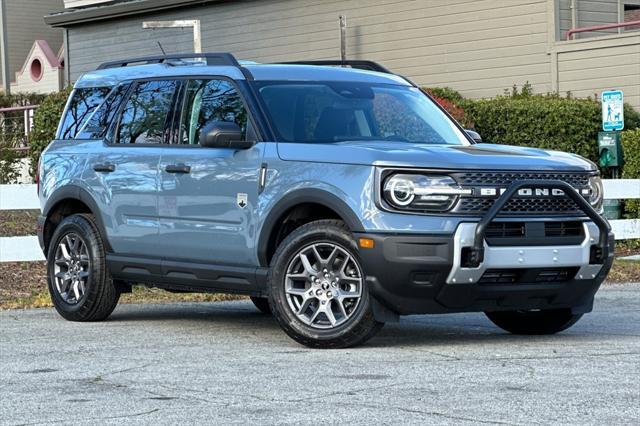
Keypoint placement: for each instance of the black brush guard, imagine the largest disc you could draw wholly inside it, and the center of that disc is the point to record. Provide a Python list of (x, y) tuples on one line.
[(475, 254)]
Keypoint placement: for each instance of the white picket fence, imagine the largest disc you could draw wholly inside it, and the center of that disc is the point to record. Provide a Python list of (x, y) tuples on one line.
[(23, 197)]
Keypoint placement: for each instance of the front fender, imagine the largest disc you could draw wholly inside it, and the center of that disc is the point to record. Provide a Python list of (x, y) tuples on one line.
[(301, 196)]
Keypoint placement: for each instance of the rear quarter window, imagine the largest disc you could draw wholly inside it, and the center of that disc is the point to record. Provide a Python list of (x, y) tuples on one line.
[(82, 104)]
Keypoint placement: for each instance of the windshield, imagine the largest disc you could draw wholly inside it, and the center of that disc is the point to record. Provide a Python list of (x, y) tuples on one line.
[(326, 112)]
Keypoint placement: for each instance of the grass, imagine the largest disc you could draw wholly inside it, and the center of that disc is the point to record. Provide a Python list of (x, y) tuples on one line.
[(23, 285), (14, 223)]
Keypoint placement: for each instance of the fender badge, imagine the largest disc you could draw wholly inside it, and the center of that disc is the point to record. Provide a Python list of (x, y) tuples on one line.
[(242, 200)]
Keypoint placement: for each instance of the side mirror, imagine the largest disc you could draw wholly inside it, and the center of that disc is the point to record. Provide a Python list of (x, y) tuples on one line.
[(223, 134), (475, 136)]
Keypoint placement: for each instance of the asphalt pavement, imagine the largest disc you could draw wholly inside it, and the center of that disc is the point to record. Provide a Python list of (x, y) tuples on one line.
[(224, 363)]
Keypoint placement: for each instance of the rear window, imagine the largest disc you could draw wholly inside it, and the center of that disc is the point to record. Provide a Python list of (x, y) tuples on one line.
[(82, 104), (97, 124)]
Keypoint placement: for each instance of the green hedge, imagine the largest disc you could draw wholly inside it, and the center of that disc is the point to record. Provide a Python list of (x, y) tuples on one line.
[(522, 118), (631, 170), (546, 122), (45, 124), (20, 99)]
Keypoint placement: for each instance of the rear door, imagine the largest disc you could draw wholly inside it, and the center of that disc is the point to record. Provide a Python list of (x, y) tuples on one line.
[(207, 195), (124, 174)]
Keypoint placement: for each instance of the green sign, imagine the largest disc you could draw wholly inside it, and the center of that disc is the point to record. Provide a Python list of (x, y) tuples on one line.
[(612, 110)]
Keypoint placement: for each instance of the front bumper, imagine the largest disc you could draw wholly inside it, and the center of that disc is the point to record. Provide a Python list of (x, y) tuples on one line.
[(419, 274)]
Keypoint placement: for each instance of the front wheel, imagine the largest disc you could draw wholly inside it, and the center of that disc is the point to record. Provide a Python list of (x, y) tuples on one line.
[(534, 322), (318, 290)]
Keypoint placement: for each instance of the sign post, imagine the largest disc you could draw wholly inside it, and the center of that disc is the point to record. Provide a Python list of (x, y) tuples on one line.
[(609, 143)]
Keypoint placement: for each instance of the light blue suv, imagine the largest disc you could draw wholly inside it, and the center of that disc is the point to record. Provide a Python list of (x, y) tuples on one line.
[(337, 195)]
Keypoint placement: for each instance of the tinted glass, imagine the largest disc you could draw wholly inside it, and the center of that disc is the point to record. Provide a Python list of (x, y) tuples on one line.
[(96, 126), (207, 101), (83, 103), (345, 111), (145, 115)]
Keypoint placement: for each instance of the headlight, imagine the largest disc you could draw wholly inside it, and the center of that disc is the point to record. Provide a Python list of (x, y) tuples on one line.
[(597, 193), (421, 193)]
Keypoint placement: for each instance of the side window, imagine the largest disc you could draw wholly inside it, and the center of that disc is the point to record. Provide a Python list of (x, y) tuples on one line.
[(206, 101), (96, 127), (83, 102), (145, 116)]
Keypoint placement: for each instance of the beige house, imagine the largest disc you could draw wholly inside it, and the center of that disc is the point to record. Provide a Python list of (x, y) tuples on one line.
[(22, 24), (479, 47), (42, 71)]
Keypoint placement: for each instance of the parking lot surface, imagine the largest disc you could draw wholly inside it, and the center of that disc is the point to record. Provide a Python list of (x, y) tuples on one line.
[(224, 363)]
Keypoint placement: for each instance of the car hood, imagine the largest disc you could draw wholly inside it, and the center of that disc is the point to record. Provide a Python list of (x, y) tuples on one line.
[(398, 154)]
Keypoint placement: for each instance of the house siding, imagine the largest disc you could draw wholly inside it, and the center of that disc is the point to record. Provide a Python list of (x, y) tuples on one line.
[(596, 65), (479, 47), (25, 25), (591, 13)]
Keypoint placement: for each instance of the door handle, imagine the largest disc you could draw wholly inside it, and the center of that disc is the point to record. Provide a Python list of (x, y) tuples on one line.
[(177, 168), (105, 168)]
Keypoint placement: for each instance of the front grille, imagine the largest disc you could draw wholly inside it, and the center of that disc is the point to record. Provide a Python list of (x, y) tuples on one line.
[(558, 206), (542, 205), (505, 230), (506, 178), (500, 233), (563, 229), (527, 276)]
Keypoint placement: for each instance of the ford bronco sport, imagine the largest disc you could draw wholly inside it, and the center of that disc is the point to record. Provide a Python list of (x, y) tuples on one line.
[(337, 195)]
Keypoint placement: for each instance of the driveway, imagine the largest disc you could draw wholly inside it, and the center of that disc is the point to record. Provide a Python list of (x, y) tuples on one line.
[(224, 363)]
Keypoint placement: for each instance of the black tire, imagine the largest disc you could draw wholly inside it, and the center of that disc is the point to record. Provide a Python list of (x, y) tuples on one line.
[(100, 296), (262, 303), (358, 327), (534, 322)]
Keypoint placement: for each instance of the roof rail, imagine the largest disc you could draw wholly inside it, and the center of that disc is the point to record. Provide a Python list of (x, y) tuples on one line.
[(355, 63), (220, 58)]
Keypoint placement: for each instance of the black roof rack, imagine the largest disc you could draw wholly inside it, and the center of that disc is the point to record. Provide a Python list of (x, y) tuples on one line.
[(213, 59), (355, 63)]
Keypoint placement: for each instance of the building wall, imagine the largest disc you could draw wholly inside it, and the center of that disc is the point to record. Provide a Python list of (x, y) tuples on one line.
[(50, 81), (587, 67), (25, 25), (479, 47), (591, 13)]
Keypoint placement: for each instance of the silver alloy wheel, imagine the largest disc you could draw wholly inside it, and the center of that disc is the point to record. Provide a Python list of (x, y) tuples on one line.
[(323, 285), (71, 268)]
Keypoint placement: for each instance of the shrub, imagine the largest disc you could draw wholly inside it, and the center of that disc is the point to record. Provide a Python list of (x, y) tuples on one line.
[(445, 93), (547, 122), (451, 101), (9, 164), (45, 124), (520, 117), (20, 99), (456, 111), (631, 169)]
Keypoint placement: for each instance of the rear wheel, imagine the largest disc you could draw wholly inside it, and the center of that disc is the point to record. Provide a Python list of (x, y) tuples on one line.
[(534, 322), (79, 284), (318, 290), (262, 303)]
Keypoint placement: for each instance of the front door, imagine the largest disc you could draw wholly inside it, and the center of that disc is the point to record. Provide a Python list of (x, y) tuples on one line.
[(207, 195)]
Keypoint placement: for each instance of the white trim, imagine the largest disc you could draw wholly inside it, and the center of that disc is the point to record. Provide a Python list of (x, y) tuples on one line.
[(19, 197), (20, 249)]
